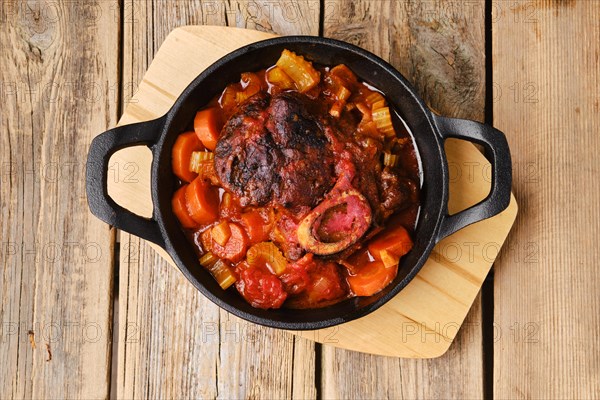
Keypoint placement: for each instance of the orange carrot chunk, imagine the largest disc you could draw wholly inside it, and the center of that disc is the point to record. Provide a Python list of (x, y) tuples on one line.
[(179, 205), (207, 125), (371, 278), (256, 226), (203, 201), (184, 146), (390, 245), (235, 248)]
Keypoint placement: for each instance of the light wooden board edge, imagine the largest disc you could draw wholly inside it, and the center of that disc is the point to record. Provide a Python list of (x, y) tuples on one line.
[(426, 317)]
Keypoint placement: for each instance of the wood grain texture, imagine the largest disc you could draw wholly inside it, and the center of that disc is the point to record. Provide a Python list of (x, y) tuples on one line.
[(178, 336), (59, 86), (546, 58), (439, 47), (284, 17)]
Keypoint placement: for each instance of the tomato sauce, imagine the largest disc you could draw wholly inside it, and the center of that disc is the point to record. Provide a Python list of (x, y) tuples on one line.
[(303, 186)]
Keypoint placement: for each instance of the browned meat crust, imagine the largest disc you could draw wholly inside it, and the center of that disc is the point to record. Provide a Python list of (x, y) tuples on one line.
[(275, 149)]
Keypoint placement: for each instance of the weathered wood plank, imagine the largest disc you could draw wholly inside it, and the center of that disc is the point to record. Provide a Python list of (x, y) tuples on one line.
[(59, 87), (284, 17), (546, 80), (440, 49), (168, 332), (176, 328)]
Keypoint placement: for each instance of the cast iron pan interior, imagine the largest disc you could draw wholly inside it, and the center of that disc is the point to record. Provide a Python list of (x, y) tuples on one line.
[(326, 52)]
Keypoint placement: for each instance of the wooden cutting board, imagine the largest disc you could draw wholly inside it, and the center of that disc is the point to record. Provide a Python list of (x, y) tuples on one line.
[(423, 319)]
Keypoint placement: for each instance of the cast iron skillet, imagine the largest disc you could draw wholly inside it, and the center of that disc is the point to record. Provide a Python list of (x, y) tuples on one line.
[(429, 130)]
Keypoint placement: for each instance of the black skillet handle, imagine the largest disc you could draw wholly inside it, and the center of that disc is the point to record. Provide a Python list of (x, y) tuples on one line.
[(497, 151), (101, 204)]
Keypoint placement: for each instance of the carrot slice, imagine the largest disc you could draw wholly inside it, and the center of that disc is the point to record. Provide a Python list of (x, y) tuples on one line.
[(235, 248), (371, 278), (395, 241), (207, 125), (357, 260), (179, 205), (256, 226), (203, 201), (184, 146)]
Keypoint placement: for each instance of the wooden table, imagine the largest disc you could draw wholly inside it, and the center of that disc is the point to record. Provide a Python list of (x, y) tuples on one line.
[(88, 312)]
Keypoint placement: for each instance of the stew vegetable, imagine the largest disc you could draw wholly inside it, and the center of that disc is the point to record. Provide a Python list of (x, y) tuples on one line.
[(299, 185)]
